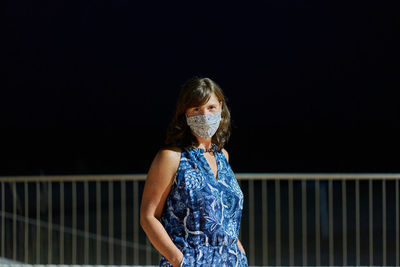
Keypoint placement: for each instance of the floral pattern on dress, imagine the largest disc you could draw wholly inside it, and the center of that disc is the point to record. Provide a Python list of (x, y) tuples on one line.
[(202, 214)]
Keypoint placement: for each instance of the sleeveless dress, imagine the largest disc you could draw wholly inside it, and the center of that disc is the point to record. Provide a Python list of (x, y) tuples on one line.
[(202, 214)]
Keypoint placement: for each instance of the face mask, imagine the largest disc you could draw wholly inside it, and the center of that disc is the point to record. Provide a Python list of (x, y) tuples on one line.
[(204, 126)]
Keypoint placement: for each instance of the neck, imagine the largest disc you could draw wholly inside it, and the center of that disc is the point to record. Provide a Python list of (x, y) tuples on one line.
[(204, 142)]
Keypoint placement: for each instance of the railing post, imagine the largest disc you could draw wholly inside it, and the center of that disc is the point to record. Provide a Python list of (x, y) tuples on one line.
[(123, 222), (38, 245), (86, 221), (74, 223), (98, 222), (304, 219), (50, 224), (278, 222), (357, 222), (344, 221), (264, 201), (251, 222), (3, 215), (14, 220), (331, 251), (26, 223), (317, 225), (371, 221), (397, 223), (61, 222), (291, 221), (110, 223), (135, 222), (384, 222)]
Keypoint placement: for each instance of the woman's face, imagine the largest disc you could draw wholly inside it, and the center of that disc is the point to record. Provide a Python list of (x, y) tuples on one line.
[(212, 106)]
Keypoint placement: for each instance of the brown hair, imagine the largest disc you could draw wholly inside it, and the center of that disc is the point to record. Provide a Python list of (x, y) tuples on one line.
[(196, 92)]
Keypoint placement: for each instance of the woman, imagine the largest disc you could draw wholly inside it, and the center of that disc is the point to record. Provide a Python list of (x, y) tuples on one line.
[(192, 204)]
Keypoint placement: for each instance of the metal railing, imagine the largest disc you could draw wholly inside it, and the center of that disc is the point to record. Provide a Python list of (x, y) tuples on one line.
[(288, 219)]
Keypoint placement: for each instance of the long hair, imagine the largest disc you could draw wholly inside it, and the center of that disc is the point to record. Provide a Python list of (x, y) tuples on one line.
[(196, 92)]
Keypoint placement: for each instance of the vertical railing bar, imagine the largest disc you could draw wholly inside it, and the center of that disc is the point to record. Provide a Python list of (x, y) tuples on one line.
[(74, 222), (384, 221), (357, 222), (38, 223), (251, 222), (148, 252), (264, 221), (344, 221), (123, 222), (278, 222), (135, 222), (331, 251), (86, 221), (14, 220), (291, 221), (98, 222), (26, 235), (111, 222), (62, 222), (317, 224), (371, 221), (397, 224), (304, 219), (240, 229), (49, 223), (3, 214)]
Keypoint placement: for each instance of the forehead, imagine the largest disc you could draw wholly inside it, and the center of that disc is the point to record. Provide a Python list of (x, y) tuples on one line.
[(212, 99)]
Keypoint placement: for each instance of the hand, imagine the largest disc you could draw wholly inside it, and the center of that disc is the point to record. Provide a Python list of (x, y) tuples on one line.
[(241, 247), (178, 262)]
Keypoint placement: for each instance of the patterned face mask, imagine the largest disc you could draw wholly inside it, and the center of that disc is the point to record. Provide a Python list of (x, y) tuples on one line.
[(204, 126)]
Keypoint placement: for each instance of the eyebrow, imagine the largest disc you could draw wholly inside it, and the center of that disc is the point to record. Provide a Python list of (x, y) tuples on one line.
[(204, 104)]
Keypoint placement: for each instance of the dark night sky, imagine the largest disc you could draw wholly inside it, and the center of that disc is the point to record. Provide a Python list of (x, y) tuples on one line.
[(91, 85)]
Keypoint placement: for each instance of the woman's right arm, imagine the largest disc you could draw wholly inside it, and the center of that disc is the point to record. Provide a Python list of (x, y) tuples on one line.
[(156, 189)]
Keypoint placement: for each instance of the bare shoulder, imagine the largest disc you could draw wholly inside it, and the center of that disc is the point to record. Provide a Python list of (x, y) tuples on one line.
[(168, 156), (164, 166), (170, 151), (226, 154)]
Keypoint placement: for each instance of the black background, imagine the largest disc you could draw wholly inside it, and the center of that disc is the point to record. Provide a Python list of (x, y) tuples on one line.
[(91, 85)]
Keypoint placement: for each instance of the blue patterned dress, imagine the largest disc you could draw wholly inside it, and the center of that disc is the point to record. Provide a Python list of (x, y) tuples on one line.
[(202, 214)]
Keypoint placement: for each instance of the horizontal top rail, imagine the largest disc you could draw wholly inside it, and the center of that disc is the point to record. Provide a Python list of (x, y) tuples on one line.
[(239, 176)]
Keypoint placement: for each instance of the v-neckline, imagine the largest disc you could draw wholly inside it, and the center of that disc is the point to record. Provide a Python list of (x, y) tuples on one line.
[(216, 178)]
